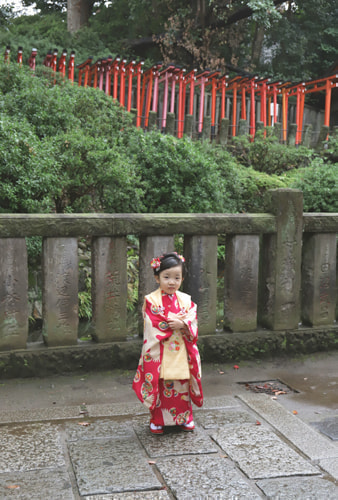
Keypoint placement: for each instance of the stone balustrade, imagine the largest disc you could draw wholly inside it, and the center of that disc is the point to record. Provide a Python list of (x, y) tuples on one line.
[(280, 269)]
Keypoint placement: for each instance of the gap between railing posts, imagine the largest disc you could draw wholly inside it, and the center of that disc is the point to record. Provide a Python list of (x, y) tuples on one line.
[(280, 269)]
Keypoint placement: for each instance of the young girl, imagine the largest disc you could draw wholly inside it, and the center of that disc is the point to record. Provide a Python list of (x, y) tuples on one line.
[(168, 377)]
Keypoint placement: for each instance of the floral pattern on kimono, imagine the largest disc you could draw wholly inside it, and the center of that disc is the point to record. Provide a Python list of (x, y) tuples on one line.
[(156, 330)]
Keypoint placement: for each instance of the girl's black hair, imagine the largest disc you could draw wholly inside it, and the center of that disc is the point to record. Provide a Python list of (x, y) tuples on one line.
[(169, 260)]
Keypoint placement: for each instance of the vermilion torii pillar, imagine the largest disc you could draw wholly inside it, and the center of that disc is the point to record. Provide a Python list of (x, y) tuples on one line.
[(71, 66), (32, 59)]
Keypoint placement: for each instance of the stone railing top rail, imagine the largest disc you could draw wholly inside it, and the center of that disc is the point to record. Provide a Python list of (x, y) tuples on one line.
[(54, 225)]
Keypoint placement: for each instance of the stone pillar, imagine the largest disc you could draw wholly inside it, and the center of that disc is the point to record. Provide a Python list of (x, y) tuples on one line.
[(277, 130), (133, 112), (241, 282), (324, 132), (307, 136), (152, 120), (206, 128), (109, 288), (150, 246), (224, 131), (280, 266), (170, 124), (259, 126), (242, 127), (60, 291), (319, 279), (292, 134), (200, 282), (13, 294), (188, 124)]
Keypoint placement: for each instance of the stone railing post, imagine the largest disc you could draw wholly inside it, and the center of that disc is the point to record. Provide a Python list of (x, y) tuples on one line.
[(13, 294), (224, 131), (150, 246), (170, 124), (206, 132), (60, 291), (200, 282), (109, 288), (280, 266), (241, 282), (319, 279), (188, 125), (292, 134)]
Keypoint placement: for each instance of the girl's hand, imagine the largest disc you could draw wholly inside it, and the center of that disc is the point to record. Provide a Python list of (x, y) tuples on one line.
[(175, 322)]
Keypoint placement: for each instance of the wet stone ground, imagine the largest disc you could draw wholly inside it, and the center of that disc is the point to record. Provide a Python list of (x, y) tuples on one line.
[(246, 446)]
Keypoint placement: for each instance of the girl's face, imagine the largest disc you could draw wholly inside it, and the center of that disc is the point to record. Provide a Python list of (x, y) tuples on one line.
[(170, 279)]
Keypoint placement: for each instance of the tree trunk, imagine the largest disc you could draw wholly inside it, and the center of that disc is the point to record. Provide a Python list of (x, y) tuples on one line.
[(257, 44), (78, 13)]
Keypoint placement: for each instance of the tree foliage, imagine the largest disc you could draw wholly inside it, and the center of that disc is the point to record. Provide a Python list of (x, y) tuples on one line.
[(292, 40), (65, 148)]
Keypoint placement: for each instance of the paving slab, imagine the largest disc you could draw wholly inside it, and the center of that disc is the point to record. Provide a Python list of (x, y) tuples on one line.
[(329, 427), (174, 441), (113, 465), (211, 419), (37, 484), (41, 414), (260, 453), (97, 429), (309, 488), (114, 409), (144, 495), (30, 447), (211, 403), (304, 437), (330, 465), (204, 477)]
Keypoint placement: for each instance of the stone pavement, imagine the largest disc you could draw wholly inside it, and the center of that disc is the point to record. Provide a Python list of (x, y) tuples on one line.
[(246, 445)]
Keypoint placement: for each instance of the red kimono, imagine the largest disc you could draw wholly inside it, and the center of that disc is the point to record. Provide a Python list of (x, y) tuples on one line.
[(169, 399)]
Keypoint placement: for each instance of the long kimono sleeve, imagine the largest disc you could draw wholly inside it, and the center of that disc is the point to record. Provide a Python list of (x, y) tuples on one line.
[(156, 329), (190, 335)]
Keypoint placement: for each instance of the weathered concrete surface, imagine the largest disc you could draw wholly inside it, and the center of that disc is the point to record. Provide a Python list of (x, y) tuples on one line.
[(13, 293), (57, 225), (201, 278), (97, 444), (222, 347), (109, 288), (304, 437)]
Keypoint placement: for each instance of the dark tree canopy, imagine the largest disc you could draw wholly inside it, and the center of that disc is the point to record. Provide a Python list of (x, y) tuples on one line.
[(295, 39)]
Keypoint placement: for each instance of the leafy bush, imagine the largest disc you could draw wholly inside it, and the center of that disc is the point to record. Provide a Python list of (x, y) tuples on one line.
[(319, 183), (183, 176), (267, 155), (59, 147)]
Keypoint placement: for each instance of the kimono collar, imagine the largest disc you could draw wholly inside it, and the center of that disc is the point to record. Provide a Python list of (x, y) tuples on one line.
[(183, 299)]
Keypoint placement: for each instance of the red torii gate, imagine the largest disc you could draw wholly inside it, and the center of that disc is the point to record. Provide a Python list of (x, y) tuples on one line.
[(147, 92)]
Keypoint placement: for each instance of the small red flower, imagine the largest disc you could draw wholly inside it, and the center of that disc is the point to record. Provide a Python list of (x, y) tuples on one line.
[(236, 367)]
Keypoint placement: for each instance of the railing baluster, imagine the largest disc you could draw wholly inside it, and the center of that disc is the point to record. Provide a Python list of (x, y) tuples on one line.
[(60, 291), (13, 294), (109, 288)]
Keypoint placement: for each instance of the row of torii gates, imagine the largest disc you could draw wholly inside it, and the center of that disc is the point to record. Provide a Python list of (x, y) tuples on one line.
[(172, 89)]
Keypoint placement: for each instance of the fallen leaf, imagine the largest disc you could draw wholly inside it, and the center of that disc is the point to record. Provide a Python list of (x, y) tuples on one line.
[(273, 397), (221, 373), (13, 486), (236, 367), (224, 456), (258, 422), (277, 393), (295, 412), (85, 424), (151, 462)]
